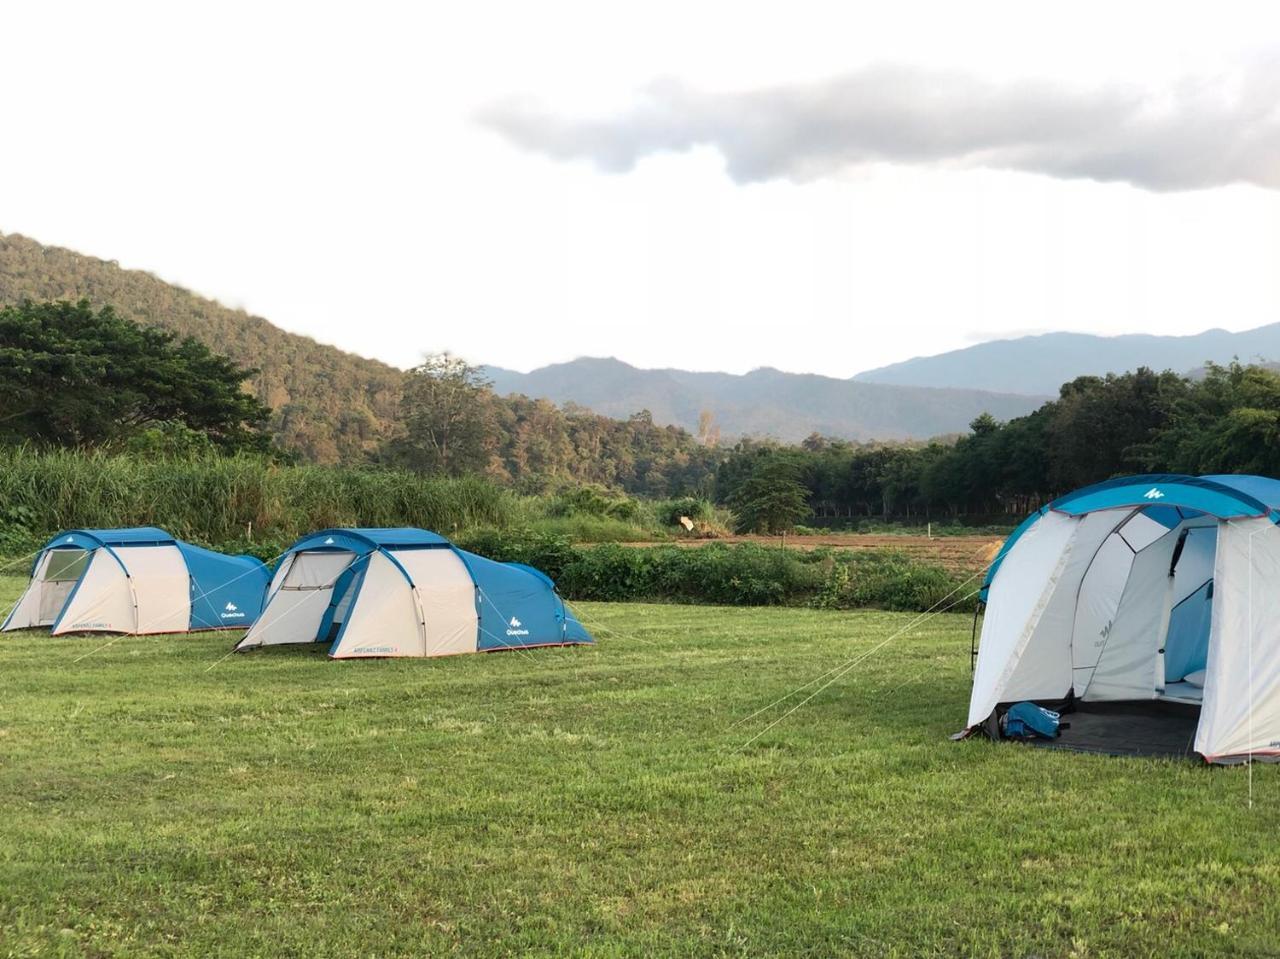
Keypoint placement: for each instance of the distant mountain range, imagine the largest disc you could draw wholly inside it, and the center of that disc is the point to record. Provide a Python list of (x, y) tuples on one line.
[(1038, 365), (765, 402), (330, 405)]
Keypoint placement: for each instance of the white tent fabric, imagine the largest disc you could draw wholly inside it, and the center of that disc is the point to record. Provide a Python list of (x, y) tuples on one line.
[(103, 600), (1129, 665), (1018, 597), (385, 619), (1042, 670), (36, 606), (161, 587), (300, 594), (153, 597), (1100, 592), (1241, 711), (446, 589)]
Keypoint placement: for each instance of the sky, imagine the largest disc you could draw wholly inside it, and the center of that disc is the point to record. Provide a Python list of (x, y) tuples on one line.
[(821, 188)]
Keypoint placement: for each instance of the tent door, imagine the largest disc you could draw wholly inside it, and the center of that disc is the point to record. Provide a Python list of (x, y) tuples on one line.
[(344, 594), (52, 583), (62, 571)]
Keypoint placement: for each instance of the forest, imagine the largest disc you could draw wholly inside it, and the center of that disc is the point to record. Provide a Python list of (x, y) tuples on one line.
[(1224, 420), (72, 376)]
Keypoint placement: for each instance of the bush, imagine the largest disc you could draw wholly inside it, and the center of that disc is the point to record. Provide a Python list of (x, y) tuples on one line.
[(545, 551), (595, 501), (696, 508), (886, 580), (750, 575)]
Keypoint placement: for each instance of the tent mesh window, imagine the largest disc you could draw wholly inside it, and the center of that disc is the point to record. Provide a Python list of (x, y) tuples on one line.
[(61, 573)]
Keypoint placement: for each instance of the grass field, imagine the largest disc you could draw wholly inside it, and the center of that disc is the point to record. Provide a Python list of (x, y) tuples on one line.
[(159, 799)]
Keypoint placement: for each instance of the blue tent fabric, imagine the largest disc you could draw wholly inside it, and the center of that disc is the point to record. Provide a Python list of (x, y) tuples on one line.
[(1262, 488), (226, 591), (365, 540), (1162, 496), (1187, 644), (516, 608), (1163, 489), (133, 536)]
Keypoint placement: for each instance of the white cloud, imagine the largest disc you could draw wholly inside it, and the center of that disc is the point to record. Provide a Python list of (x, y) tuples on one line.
[(1196, 134)]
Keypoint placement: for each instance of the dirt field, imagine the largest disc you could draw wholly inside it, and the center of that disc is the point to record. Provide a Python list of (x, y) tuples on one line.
[(967, 553)]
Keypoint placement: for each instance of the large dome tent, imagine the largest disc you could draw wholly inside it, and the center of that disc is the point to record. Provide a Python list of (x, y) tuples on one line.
[(137, 581), (407, 592), (1149, 608)]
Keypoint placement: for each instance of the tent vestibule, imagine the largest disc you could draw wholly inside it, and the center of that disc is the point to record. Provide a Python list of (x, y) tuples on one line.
[(1157, 589)]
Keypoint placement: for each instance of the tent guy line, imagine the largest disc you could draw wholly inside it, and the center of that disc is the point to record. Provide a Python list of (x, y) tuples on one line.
[(848, 666), (919, 618)]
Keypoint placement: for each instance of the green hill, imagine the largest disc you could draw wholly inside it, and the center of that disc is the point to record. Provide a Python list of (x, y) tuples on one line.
[(328, 405)]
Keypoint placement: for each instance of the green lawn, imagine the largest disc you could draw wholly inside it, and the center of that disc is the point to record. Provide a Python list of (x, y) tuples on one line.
[(158, 799)]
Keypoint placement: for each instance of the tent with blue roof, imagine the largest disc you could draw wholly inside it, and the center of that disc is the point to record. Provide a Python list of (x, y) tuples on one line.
[(139, 580), (407, 592), (1148, 607)]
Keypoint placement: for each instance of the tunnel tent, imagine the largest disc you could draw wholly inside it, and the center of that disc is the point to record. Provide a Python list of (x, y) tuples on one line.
[(1147, 606), (137, 581), (407, 592)]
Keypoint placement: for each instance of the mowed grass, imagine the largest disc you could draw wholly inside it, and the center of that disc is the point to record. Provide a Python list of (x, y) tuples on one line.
[(158, 799)]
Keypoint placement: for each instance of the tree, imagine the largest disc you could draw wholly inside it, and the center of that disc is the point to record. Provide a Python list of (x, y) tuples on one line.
[(446, 412), (1228, 422), (73, 377), (1100, 425), (771, 499)]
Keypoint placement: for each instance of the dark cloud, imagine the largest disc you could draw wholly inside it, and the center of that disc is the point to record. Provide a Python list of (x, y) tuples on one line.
[(1196, 135)]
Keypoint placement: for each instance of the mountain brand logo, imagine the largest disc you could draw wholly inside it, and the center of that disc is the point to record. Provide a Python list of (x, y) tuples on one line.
[(515, 623), (232, 611), (1153, 493), (232, 607), (329, 541), (514, 628)]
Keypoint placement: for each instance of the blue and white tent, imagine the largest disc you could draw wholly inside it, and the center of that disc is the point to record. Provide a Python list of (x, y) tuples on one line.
[(139, 580), (1145, 589), (407, 592)]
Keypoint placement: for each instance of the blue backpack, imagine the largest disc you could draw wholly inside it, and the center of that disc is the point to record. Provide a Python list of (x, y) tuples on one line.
[(1027, 721)]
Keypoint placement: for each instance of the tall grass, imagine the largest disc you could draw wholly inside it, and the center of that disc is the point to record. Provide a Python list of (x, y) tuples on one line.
[(220, 500)]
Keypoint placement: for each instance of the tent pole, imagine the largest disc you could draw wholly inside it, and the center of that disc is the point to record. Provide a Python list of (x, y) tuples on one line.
[(973, 639)]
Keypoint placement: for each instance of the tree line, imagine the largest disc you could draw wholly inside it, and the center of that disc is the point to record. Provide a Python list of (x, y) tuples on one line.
[(1224, 420)]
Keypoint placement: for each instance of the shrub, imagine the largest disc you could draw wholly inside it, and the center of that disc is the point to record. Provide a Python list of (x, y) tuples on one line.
[(595, 501), (545, 551)]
